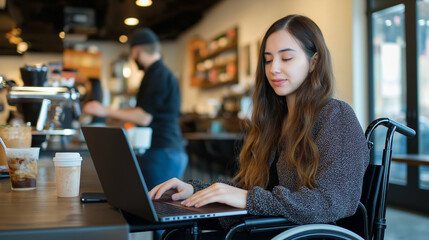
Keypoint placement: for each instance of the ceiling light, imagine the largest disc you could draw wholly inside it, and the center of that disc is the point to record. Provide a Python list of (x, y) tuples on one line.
[(421, 22), (62, 35), (123, 39), (22, 47), (131, 21), (144, 3)]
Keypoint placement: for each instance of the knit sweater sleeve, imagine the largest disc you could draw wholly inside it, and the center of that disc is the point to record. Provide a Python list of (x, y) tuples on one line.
[(344, 157)]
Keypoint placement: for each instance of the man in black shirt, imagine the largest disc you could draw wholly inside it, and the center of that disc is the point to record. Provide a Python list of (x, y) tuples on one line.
[(158, 107)]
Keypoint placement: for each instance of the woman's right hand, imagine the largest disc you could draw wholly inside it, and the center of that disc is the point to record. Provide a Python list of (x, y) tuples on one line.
[(184, 190)]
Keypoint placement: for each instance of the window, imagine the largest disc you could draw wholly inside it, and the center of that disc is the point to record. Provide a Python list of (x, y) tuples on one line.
[(398, 59), (423, 83), (388, 40)]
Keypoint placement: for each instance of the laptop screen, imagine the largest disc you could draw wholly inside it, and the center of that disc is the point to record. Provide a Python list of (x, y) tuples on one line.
[(118, 171)]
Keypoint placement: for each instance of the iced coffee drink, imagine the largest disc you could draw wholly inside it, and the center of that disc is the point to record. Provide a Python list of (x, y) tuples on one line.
[(14, 137), (22, 164)]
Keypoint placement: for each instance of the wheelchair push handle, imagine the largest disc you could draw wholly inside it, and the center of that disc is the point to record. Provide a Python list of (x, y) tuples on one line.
[(409, 132), (389, 123)]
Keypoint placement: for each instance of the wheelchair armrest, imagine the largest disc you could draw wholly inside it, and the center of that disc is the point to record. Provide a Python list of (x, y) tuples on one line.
[(263, 222)]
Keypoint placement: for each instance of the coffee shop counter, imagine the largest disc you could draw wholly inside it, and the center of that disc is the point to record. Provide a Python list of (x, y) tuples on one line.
[(40, 214), (73, 145)]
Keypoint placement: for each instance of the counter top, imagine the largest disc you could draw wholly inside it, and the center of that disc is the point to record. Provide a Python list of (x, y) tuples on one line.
[(40, 214), (70, 146)]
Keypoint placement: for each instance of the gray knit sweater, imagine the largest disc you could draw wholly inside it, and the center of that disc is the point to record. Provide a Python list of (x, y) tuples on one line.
[(344, 156)]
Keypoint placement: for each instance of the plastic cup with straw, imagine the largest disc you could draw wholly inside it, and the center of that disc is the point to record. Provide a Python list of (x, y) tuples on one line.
[(22, 163)]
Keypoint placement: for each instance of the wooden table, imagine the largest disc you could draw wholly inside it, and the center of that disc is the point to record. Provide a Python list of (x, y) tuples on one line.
[(412, 159), (40, 214)]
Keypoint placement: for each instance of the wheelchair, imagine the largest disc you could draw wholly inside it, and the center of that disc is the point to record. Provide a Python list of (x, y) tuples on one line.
[(368, 223)]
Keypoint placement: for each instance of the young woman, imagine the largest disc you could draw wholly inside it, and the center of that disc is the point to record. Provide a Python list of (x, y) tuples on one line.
[(306, 154)]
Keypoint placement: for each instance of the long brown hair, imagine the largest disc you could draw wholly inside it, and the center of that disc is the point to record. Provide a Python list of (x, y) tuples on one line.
[(268, 130)]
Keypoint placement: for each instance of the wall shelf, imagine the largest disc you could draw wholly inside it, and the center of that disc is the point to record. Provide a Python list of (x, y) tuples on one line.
[(214, 62), (87, 64)]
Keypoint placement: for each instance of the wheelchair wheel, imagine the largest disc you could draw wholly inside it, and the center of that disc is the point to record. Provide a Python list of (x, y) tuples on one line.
[(318, 231)]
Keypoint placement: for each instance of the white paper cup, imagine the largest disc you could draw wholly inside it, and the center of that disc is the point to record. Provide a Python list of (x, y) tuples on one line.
[(140, 138), (67, 173)]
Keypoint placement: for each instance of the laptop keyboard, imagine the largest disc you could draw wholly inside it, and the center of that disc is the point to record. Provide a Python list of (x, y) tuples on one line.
[(170, 209)]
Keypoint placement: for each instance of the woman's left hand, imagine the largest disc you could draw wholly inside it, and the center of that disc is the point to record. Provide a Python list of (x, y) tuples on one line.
[(218, 192)]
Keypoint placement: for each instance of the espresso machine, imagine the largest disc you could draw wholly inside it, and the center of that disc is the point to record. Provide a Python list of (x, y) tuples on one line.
[(50, 110), (52, 100)]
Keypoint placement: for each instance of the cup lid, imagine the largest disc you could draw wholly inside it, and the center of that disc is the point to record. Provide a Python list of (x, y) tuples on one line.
[(67, 156), (67, 159)]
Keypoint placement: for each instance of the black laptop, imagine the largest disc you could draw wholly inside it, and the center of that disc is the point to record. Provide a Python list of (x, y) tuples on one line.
[(124, 186)]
